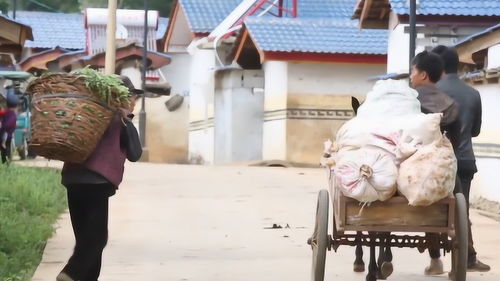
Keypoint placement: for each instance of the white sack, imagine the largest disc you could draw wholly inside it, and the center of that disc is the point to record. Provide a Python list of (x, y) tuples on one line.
[(428, 175), (389, 98), (366, 175), (399, 136)]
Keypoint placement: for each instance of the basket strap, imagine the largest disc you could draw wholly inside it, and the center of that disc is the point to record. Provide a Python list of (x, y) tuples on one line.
[(78, 96)]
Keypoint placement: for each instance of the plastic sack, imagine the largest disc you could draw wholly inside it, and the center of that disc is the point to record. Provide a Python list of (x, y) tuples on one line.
[(400, 136), (389, 98), (366, 175), (428, 175)]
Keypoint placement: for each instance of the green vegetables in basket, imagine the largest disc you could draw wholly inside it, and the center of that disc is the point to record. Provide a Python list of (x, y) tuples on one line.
[(110, 88)]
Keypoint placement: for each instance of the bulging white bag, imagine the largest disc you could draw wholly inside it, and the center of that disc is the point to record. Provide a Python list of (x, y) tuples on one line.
[(399, 136), (367, 174), (428, 175), (390, 98)]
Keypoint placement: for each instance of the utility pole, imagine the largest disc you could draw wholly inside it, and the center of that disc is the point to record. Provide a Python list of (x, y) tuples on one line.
[(14, 8), (413, 29), (110, 59), (142, 113)]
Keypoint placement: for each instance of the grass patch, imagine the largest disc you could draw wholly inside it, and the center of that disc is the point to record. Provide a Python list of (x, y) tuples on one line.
[(31, 199)]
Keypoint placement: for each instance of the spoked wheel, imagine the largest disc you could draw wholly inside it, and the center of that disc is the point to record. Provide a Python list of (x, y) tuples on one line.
[(319, 240), (460, 242)]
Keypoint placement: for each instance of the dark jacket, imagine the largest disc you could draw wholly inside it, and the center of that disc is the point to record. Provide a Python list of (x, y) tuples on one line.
[(469, 101), (104, 165), (432, 100), (8, 125)]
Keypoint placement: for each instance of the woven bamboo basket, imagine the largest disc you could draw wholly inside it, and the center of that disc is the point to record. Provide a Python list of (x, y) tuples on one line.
[(67, 120)]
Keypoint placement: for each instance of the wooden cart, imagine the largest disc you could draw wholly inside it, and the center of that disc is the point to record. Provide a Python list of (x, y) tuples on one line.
[(447, 220)]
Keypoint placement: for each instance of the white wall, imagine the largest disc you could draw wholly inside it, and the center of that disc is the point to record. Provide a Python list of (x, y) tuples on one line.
[(274, 140), (331, 78), (238, 116), (201, 146), (486, 181), (494, 56), (201, 105), (169, 129), (275, 99)]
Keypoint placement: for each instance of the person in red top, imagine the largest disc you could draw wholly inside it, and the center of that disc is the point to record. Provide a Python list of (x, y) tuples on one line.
[(89, 186), (8, 119)]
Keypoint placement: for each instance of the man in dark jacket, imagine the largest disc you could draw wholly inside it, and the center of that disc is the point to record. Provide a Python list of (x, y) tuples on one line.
[(469, 102), (426, 72)]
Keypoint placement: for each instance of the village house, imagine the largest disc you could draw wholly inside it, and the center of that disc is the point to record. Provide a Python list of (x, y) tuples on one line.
[(275, 88), (13, 36), (65, 42), (471, 27), (438, 23), (191, 74)]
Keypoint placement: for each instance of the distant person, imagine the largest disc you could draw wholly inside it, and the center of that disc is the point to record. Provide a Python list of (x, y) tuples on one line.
[(89, 186), (427, 69), (8, 119), (469, 102)]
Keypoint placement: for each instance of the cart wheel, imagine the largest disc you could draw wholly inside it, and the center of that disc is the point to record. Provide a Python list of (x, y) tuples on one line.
[(319, 240), (459, 252)]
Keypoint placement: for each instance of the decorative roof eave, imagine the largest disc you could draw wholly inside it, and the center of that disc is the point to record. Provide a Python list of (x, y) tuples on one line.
[(469, 47), (372, 13), (39, 60), (455, 20), (155, 59), (13, 33), (325, 57), (131, 51), (64, 61)]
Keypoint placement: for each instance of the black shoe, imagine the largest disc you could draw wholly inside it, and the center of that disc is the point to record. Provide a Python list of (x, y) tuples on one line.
[(478, 266)]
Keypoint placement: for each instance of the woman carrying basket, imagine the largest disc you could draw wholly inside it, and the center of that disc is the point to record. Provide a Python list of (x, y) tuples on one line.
[(89, 186)]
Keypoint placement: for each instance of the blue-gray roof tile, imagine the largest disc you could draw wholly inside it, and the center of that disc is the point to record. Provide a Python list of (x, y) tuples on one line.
[(449, 7), (204, 15), (315, 36), (54, 29), (326, 8)]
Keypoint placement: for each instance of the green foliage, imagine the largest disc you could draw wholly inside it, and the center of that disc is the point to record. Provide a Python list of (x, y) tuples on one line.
[(31, 199), (110, 88)]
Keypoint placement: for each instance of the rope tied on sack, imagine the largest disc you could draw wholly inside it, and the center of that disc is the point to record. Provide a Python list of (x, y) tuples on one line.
[(365, 171)]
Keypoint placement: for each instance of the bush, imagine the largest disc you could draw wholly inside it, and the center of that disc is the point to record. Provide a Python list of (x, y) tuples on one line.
[(31, 199)]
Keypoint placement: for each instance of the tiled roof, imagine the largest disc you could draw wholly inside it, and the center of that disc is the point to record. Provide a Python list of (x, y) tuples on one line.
[(315, 36), (162, 27), (449, 7), (479, 34), (326, 8), (204, 15), (54, 29)]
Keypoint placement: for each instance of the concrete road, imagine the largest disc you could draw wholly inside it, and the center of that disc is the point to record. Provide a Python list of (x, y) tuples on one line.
[(212, 224)]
